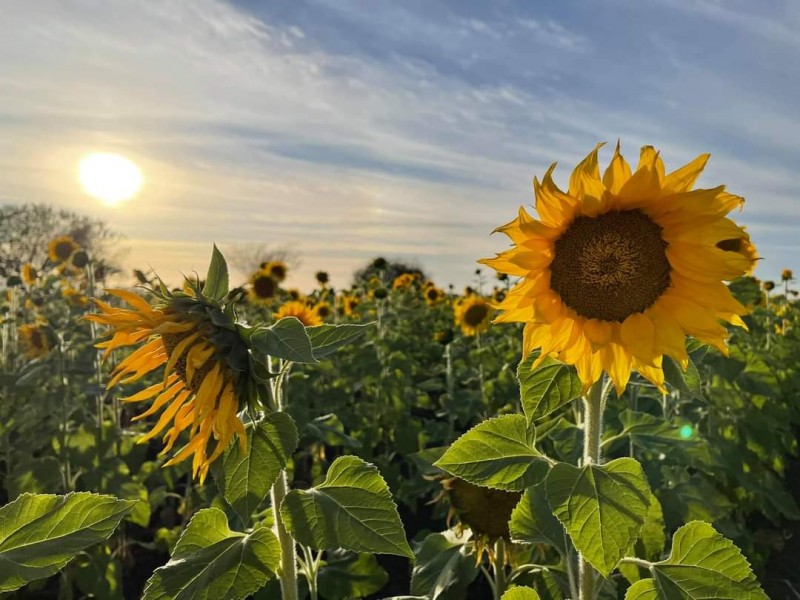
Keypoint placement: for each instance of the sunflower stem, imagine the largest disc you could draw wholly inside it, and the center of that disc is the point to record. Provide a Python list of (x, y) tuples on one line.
[(593, 403), (288, 569), (499, 569)]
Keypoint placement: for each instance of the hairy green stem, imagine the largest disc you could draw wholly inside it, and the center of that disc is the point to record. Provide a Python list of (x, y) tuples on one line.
[(592, 433), (499, 568)]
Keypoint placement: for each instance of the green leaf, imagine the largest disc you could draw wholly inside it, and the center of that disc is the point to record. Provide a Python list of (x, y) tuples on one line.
[(40, 533), (286, 339), (346, 575), (533, 522), (687, 381), (351, 509), (702, 564), (216, 285), (548, 387), (327, 339), (211, 561), (498, 453), (654, 433), (520, 593), (651, 543), (249, 477), (602, 508), (443, 569)]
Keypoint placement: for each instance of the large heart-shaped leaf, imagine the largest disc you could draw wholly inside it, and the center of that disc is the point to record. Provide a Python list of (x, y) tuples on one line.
[(352, 509), (498, 453), (40, 533), (212, 562), (602, 508), (548, 387)]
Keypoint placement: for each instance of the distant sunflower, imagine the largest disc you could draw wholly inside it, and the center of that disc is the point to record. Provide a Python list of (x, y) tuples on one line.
[(403, 281), (62, 248), (786, 275), (433, 295), (350, 304), (472, 314), (264, 287), (35, 340), (206, 376), (276, 269), (29, 274), (323, 310), (304, 313), (619, 270), (322, 278), (74, 297)]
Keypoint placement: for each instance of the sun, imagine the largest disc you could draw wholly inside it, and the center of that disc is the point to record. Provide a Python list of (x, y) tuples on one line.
[(110, 178)]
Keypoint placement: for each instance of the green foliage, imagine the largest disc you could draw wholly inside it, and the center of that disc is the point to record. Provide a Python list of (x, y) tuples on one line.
[(702, 564), (602, 507), (287, 339), (546, 388), (212, 562), (533, 521), (40, 533), (248, 477), (348, 575), (499, 453), (521, 593), (327, 339), (443, 569), (351, 509), (216, 285)]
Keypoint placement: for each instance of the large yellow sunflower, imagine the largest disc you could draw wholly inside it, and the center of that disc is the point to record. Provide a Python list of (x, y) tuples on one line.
[(206, 376), (472, 314), (619, 269), (300, 310), (61, 248)]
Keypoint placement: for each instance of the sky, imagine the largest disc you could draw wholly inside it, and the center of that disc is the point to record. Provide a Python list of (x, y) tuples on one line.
[(341, 130)]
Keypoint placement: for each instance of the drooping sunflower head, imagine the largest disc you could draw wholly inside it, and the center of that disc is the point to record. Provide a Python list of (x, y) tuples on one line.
[(787, 275), (473, 314), (322, 278), (301, 311), (619, 269), (276, 269), (263, 286), (35, 339), (62, 248), (207, 369), (323, 310), (768, 285), (29, 274)]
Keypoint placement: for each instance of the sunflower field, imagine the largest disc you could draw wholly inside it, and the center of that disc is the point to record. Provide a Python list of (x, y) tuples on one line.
[(609, 411)]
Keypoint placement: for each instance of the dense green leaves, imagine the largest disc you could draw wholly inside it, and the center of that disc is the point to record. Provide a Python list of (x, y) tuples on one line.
[(40, 533), (346, 575), (443, 569), (286, 339), (602, 508), (327, 339), (498, 453), (216, 285), (548, 387), (533, 522), (351, 509), (248, 477), (702, 564), (212, 562), (521, 593)]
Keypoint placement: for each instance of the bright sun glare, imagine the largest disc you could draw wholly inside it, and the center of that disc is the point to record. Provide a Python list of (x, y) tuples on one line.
[(110, 177)]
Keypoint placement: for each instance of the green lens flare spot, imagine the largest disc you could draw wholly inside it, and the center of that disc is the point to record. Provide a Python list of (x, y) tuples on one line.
[(686, 432)]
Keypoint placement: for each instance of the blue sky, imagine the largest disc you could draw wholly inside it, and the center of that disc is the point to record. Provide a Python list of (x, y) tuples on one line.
[(346, 129)]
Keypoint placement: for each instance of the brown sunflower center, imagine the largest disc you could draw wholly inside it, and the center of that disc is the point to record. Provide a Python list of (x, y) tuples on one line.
[(475, 314), (611, 266), (63, 250), (264, 287), (170, 341)]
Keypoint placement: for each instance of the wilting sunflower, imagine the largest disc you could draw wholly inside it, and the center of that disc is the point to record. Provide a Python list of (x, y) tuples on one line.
[(619, 269), (323, 310), (403, 281), (264, 287), (300, 310), (206, 377), (29, 274), (34, 339), (276, 269), (61, 248), (472, 314)]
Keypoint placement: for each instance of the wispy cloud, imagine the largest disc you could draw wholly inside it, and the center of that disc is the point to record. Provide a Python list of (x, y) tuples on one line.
[(353, 128)]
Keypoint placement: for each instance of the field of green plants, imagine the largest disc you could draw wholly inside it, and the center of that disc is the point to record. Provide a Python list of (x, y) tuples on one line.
[(409, 448)]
